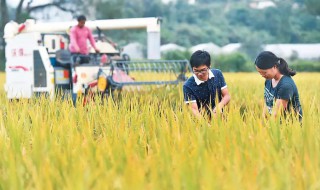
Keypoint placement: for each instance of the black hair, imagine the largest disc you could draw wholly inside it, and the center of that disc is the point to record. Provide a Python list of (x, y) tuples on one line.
[(267, 59), (81, 17), (284, 68), (199, 58)]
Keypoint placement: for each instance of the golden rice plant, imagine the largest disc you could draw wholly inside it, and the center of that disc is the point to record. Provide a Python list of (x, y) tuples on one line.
[(148, 139)]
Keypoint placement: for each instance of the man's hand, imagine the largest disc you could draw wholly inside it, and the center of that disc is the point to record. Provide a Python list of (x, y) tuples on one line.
[(216, 111), (97, 50), (195, 110)]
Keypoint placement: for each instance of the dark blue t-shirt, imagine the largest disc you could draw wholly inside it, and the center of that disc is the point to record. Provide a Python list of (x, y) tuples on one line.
[(205, 93), (286, 89)]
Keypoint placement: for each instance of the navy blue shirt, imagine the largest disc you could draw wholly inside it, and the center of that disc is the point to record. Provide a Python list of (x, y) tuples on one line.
[(286, 89), (205, 92)]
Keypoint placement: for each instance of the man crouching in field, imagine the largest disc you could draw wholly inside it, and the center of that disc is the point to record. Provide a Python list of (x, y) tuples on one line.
[(200, 90)]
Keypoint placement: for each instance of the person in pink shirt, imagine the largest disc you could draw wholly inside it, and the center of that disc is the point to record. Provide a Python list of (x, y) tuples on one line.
[(79, 35)]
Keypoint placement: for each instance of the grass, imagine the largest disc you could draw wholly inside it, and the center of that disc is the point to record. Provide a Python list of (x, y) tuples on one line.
[(149, 140)]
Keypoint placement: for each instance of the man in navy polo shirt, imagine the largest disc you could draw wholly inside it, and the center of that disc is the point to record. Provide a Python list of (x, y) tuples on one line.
[(204, 86)]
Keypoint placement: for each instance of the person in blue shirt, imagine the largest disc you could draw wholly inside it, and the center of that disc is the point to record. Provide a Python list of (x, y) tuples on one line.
[(280, 91), (201, 90)]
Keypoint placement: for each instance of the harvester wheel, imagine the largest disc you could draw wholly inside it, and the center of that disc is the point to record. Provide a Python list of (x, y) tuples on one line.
[(102, 83)]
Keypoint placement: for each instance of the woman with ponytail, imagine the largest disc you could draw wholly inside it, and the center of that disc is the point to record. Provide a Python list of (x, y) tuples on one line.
[(280, 91)]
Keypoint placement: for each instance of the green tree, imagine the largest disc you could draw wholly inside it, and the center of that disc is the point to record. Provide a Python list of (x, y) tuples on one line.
[(252, 43), (313, 6), (235, 62), (176, 55), (110, 9)]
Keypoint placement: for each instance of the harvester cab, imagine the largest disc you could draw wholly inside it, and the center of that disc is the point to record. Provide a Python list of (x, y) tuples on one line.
[(38, 60)]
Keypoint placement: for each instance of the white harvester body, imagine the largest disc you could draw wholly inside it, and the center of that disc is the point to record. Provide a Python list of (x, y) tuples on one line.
[(28, 67), (31, 64)]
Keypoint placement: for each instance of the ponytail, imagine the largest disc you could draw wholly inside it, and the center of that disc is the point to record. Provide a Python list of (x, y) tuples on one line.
[(267, 60), (284, 68)]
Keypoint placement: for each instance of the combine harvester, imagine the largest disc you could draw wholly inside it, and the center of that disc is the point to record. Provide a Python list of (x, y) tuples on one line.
[(38, 60)]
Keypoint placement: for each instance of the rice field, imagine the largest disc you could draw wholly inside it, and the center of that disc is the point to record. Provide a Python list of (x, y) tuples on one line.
[(150, 140)]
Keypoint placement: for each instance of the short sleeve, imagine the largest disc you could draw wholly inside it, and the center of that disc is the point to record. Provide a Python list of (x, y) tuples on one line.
[(222, 82), (188, 95), (285, 91)]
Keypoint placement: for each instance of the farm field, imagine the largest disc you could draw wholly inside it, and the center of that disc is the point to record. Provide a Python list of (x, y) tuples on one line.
[(150, 140)]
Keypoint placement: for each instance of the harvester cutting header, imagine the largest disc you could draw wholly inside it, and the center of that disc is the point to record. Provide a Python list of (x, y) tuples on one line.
[(38, 60)]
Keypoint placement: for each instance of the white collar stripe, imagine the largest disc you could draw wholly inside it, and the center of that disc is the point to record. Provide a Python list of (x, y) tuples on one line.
[(198, 81)]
